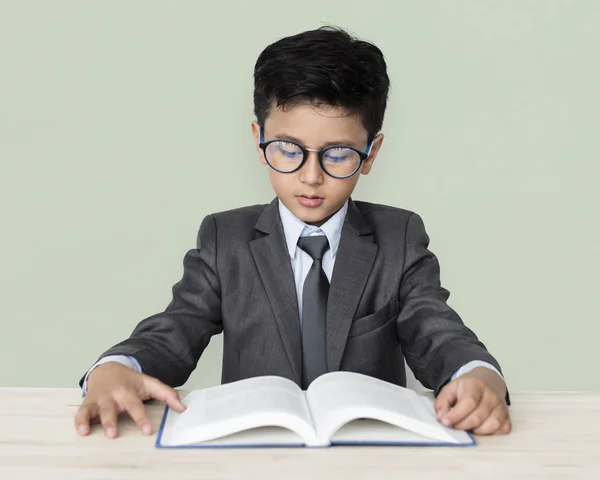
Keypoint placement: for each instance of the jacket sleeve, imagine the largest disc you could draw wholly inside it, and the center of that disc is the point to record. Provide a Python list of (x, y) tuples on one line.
[(435, 341), (168, 345)]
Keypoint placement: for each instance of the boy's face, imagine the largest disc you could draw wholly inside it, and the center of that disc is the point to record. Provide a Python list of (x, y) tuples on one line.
[(309, 193)]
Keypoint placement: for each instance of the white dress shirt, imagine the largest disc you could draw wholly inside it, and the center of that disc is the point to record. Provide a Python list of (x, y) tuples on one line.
[(294, 228)]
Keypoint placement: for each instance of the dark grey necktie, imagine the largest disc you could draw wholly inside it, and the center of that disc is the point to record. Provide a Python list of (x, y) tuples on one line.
[(314, 311)]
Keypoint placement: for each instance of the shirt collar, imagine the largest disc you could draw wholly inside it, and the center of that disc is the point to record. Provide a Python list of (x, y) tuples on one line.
[(293, 228)]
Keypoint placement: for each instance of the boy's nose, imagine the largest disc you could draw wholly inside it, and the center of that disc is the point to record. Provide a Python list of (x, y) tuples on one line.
[(311, 172)]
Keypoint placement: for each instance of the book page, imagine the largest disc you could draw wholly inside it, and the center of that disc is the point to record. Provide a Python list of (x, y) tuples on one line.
[(256, 437), (374, 432), (341, 397), (234, 407)]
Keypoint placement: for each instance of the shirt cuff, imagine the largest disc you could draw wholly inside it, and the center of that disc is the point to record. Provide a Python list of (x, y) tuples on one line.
[(129, 362), (474, 364)]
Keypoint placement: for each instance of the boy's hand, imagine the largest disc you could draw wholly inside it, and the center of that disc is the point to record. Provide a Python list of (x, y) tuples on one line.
[(475, 401), (113, 388)]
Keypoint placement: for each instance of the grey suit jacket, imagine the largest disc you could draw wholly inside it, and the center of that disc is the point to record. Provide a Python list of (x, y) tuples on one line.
[(385, 303)]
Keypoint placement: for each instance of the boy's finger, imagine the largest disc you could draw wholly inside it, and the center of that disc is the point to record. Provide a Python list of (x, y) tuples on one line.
[(108, 417), (164, 393), (476, 418), (174, 402), (506, 428), (83, 418), (493, 422), (135, 409), (467, 402), (446, 399)]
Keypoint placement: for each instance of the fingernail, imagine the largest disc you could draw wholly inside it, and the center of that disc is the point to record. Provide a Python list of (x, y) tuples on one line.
[(82, 429), (446, 422), (146, 430), (111, 432)]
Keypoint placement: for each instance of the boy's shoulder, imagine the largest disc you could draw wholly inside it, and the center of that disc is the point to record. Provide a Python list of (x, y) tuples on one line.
[(237, 224), (241, 215), (384, 216), (242, 211), (368, 209)]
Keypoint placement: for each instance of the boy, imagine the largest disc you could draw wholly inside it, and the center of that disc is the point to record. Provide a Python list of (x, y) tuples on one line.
[(312, 282)]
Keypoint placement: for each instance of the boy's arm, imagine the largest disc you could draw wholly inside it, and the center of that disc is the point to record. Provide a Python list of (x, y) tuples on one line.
[(435, 341), (168, 345)]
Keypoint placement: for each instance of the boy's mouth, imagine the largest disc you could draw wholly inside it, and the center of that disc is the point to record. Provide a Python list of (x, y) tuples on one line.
[(310, 200)]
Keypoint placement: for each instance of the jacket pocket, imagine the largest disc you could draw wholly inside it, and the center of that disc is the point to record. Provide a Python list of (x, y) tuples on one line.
[(363, 325)]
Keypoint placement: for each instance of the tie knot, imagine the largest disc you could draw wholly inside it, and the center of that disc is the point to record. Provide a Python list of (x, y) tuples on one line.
[(314, 246)]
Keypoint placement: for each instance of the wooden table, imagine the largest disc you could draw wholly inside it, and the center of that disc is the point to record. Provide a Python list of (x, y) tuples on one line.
[(555, 435)]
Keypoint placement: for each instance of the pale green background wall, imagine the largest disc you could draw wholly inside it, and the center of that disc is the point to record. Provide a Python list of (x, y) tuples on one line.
[(123, 123)]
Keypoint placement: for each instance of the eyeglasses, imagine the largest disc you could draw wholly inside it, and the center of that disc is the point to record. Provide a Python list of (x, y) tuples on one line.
[(338, 161)]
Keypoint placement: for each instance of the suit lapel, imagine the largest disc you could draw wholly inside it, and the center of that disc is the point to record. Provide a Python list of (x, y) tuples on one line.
[(275, 271), (354, 261)]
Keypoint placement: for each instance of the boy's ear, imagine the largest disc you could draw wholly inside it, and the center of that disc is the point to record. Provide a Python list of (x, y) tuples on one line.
[(256, 134), (368, 163)]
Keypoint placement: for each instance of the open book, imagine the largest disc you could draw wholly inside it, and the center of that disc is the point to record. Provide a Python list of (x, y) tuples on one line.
[(339, 408)]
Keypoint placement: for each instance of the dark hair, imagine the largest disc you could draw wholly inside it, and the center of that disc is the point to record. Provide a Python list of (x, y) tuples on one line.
[(324, 66)]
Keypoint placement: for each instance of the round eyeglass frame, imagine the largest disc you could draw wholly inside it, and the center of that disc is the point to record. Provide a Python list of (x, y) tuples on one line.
[(363, 155)]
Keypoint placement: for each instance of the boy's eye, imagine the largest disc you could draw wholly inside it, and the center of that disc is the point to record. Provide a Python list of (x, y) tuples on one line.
[(289, 149), (339, 154)]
